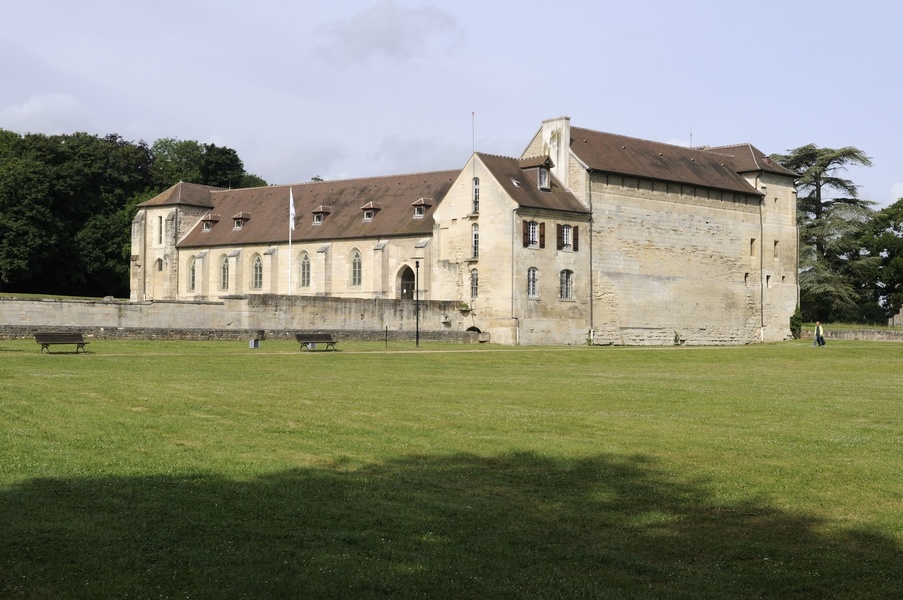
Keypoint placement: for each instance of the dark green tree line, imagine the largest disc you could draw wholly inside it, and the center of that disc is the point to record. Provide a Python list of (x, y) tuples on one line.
[(67, 202)]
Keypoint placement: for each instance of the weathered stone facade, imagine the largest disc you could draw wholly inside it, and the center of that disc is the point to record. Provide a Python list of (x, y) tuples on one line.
[(586, 237)]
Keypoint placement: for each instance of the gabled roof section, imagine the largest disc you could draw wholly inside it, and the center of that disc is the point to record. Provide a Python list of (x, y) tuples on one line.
[(340, 201), (746, 158), (532, 162), (623, 155), (523, 188), (185, 194)]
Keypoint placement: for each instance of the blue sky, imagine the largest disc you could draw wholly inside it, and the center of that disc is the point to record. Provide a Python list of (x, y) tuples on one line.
[(369, 87)]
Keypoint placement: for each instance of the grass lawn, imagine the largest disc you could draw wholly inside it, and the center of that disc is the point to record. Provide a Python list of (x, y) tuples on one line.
[(196, 469)]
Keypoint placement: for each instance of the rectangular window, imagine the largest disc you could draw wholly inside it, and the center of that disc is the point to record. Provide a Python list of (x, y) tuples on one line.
[(777, 250), (534, 234), (752, 248), (208, 225), (567, 285), (318, 218), (532, 287), (159, 230), (475, 242)]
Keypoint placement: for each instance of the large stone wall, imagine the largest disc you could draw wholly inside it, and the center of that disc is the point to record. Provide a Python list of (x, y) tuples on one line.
[(238, 317)]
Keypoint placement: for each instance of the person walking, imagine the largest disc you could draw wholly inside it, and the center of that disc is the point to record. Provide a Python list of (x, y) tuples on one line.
[(819, 340)]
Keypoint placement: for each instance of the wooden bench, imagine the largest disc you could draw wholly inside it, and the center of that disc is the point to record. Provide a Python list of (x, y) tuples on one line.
[(48, 339), (307, 339)]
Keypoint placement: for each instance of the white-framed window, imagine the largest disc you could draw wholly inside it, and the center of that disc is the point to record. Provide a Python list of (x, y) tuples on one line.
[(257, 273), (356, 268), (534, 234), (532, 283), (192, 273), (224, 274), (567, 285), (318, 218), (474, 283), (419, 212), (475, 241), (305, 269), (476, 194), (544, 183), (159, 230), (208, 225), (566, 236), (368, 214), (238, 223)]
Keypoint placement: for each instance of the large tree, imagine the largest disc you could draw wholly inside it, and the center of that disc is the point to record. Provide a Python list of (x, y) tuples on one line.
[(883, 241), (830, 216)]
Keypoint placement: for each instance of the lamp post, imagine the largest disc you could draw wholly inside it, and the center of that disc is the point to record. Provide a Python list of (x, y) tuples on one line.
[(417, 302)]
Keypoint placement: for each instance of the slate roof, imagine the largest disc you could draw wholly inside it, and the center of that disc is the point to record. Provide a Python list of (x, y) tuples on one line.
[(746, 158), (624, 155), (342, 202), (518, 177), (185, 194)]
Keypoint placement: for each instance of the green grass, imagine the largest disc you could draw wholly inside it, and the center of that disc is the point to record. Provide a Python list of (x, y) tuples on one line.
[(196, 469)]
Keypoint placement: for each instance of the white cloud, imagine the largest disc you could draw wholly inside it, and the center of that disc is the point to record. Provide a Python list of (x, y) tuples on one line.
[(46, 113), (388, 31)]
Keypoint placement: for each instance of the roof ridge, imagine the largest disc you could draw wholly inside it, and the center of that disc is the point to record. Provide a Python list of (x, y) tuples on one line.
[(350, 179), (700, 149)]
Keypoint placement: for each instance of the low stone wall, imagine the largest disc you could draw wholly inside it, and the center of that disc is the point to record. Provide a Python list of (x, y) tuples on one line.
[(263, 316), (866, 335)]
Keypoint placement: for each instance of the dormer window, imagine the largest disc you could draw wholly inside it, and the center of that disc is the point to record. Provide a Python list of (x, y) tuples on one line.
[(239, 220), (544, 180), (208, 221), (370, 209), (420, 207), (320, 213), (207, 226)]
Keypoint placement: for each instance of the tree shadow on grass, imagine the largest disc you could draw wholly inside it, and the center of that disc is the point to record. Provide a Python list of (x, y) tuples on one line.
[(513, 526)]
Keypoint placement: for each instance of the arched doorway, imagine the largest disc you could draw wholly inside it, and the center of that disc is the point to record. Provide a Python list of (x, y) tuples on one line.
[(406, 284)]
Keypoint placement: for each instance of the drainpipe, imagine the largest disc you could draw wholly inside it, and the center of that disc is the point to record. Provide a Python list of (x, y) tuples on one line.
[(761, 265), (514, 277), (592, 218)]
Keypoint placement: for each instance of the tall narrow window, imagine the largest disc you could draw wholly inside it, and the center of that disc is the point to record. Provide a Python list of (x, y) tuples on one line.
[(257, 274), (777, 250), (752, 247), (475, 241), (356, 268), (476, 194), (544, 179), (567, 285), (159, 230), (532, 288), (474, 283), (224, 274), (305, 270), (192, 273)]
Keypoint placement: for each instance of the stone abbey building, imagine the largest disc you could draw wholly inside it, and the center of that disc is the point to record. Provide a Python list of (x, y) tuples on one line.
[(587, 237)]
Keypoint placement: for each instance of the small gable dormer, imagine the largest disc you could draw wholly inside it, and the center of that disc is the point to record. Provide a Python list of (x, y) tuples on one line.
[(239, 220), (369, 210), (209, 221), (540, 168), (320, 213), (420, 207)]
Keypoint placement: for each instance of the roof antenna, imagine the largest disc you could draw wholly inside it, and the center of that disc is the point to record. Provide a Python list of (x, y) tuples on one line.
[(691, 136)]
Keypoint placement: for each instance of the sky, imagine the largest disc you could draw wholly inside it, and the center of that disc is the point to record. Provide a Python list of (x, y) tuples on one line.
[(356, 88)]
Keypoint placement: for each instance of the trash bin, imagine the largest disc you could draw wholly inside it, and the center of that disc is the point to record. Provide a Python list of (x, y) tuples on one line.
[(254, 343)]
